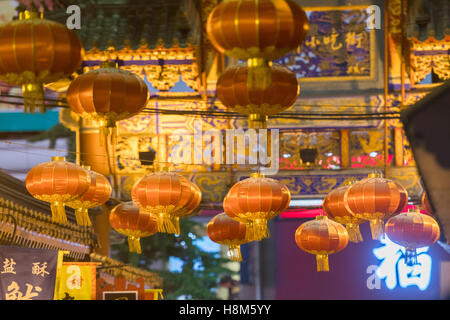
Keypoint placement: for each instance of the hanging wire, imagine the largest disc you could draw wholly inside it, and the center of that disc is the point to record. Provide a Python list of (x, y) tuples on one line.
[(227, 114)]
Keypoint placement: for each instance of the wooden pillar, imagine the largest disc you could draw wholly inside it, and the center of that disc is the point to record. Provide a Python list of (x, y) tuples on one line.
[(398, 145), (94, 154), (92, 151), (345, 148)]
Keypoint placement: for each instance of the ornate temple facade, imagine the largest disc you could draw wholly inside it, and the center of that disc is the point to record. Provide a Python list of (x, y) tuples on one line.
[(327, 140)]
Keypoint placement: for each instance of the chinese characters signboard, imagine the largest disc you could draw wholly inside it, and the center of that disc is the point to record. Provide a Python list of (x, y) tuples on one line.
[(339, 45), (27, 273)]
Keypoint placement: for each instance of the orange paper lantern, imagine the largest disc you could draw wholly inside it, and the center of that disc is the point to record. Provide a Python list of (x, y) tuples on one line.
[(36, 51), (234, 91), (226, 231), (97, 194), (412, 230), (126, 218), (321, 237), (264, 29), (254, 201), (57, 182), (107, 95), (375, 199), (333, 206), (167, 195)]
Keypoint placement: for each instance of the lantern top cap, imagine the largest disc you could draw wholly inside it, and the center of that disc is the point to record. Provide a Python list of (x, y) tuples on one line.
[(58, 158), (320, 217), (108, 64), (86, 167), (349, 182), (26, 15), (374, 175), (412, 210), (256, 175)]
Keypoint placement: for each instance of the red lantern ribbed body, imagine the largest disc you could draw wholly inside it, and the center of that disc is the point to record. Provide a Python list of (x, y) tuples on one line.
[(234, 92), (36, 51), (267, 29), (254, 201), (226, 231), (107, 95), (168, 196), (412, 230), (97, 194), (321, 237), (334, 207), (375, 199), (57, 182), (126, 218)]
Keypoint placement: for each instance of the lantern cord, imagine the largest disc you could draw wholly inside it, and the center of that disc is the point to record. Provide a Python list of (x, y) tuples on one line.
[(234, 252), (322, 262)]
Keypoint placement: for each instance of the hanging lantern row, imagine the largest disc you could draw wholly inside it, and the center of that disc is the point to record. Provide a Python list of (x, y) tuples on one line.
[(257, 31), (36, 51), (63, 183), (374, 199)]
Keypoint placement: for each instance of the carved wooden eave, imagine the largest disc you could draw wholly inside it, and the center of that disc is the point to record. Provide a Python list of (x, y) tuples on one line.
[(115, 268)]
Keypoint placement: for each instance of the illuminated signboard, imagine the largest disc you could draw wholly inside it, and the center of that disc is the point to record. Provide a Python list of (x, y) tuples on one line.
[(395, 272)]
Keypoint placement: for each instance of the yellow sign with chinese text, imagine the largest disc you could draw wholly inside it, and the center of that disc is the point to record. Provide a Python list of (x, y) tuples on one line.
[(77, 281)]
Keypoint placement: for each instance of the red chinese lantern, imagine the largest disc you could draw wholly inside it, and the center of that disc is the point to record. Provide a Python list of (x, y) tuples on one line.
[(126, 218), (375, 199), (257, 31), (234, 91), (97, 194), (36, 51), (226, 231), (256, 200), (412, 230), (262, 29), (57, 182), (321, 237), (168, 196), (107, 95), (333, 206)]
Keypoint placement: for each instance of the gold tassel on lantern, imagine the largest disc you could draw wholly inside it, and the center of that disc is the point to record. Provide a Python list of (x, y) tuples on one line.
[(58, 211), (33, 97), (377, 229), (260, 229), (166, 223), (354, 233), (134, 244), (322, 262), (234, 252)]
